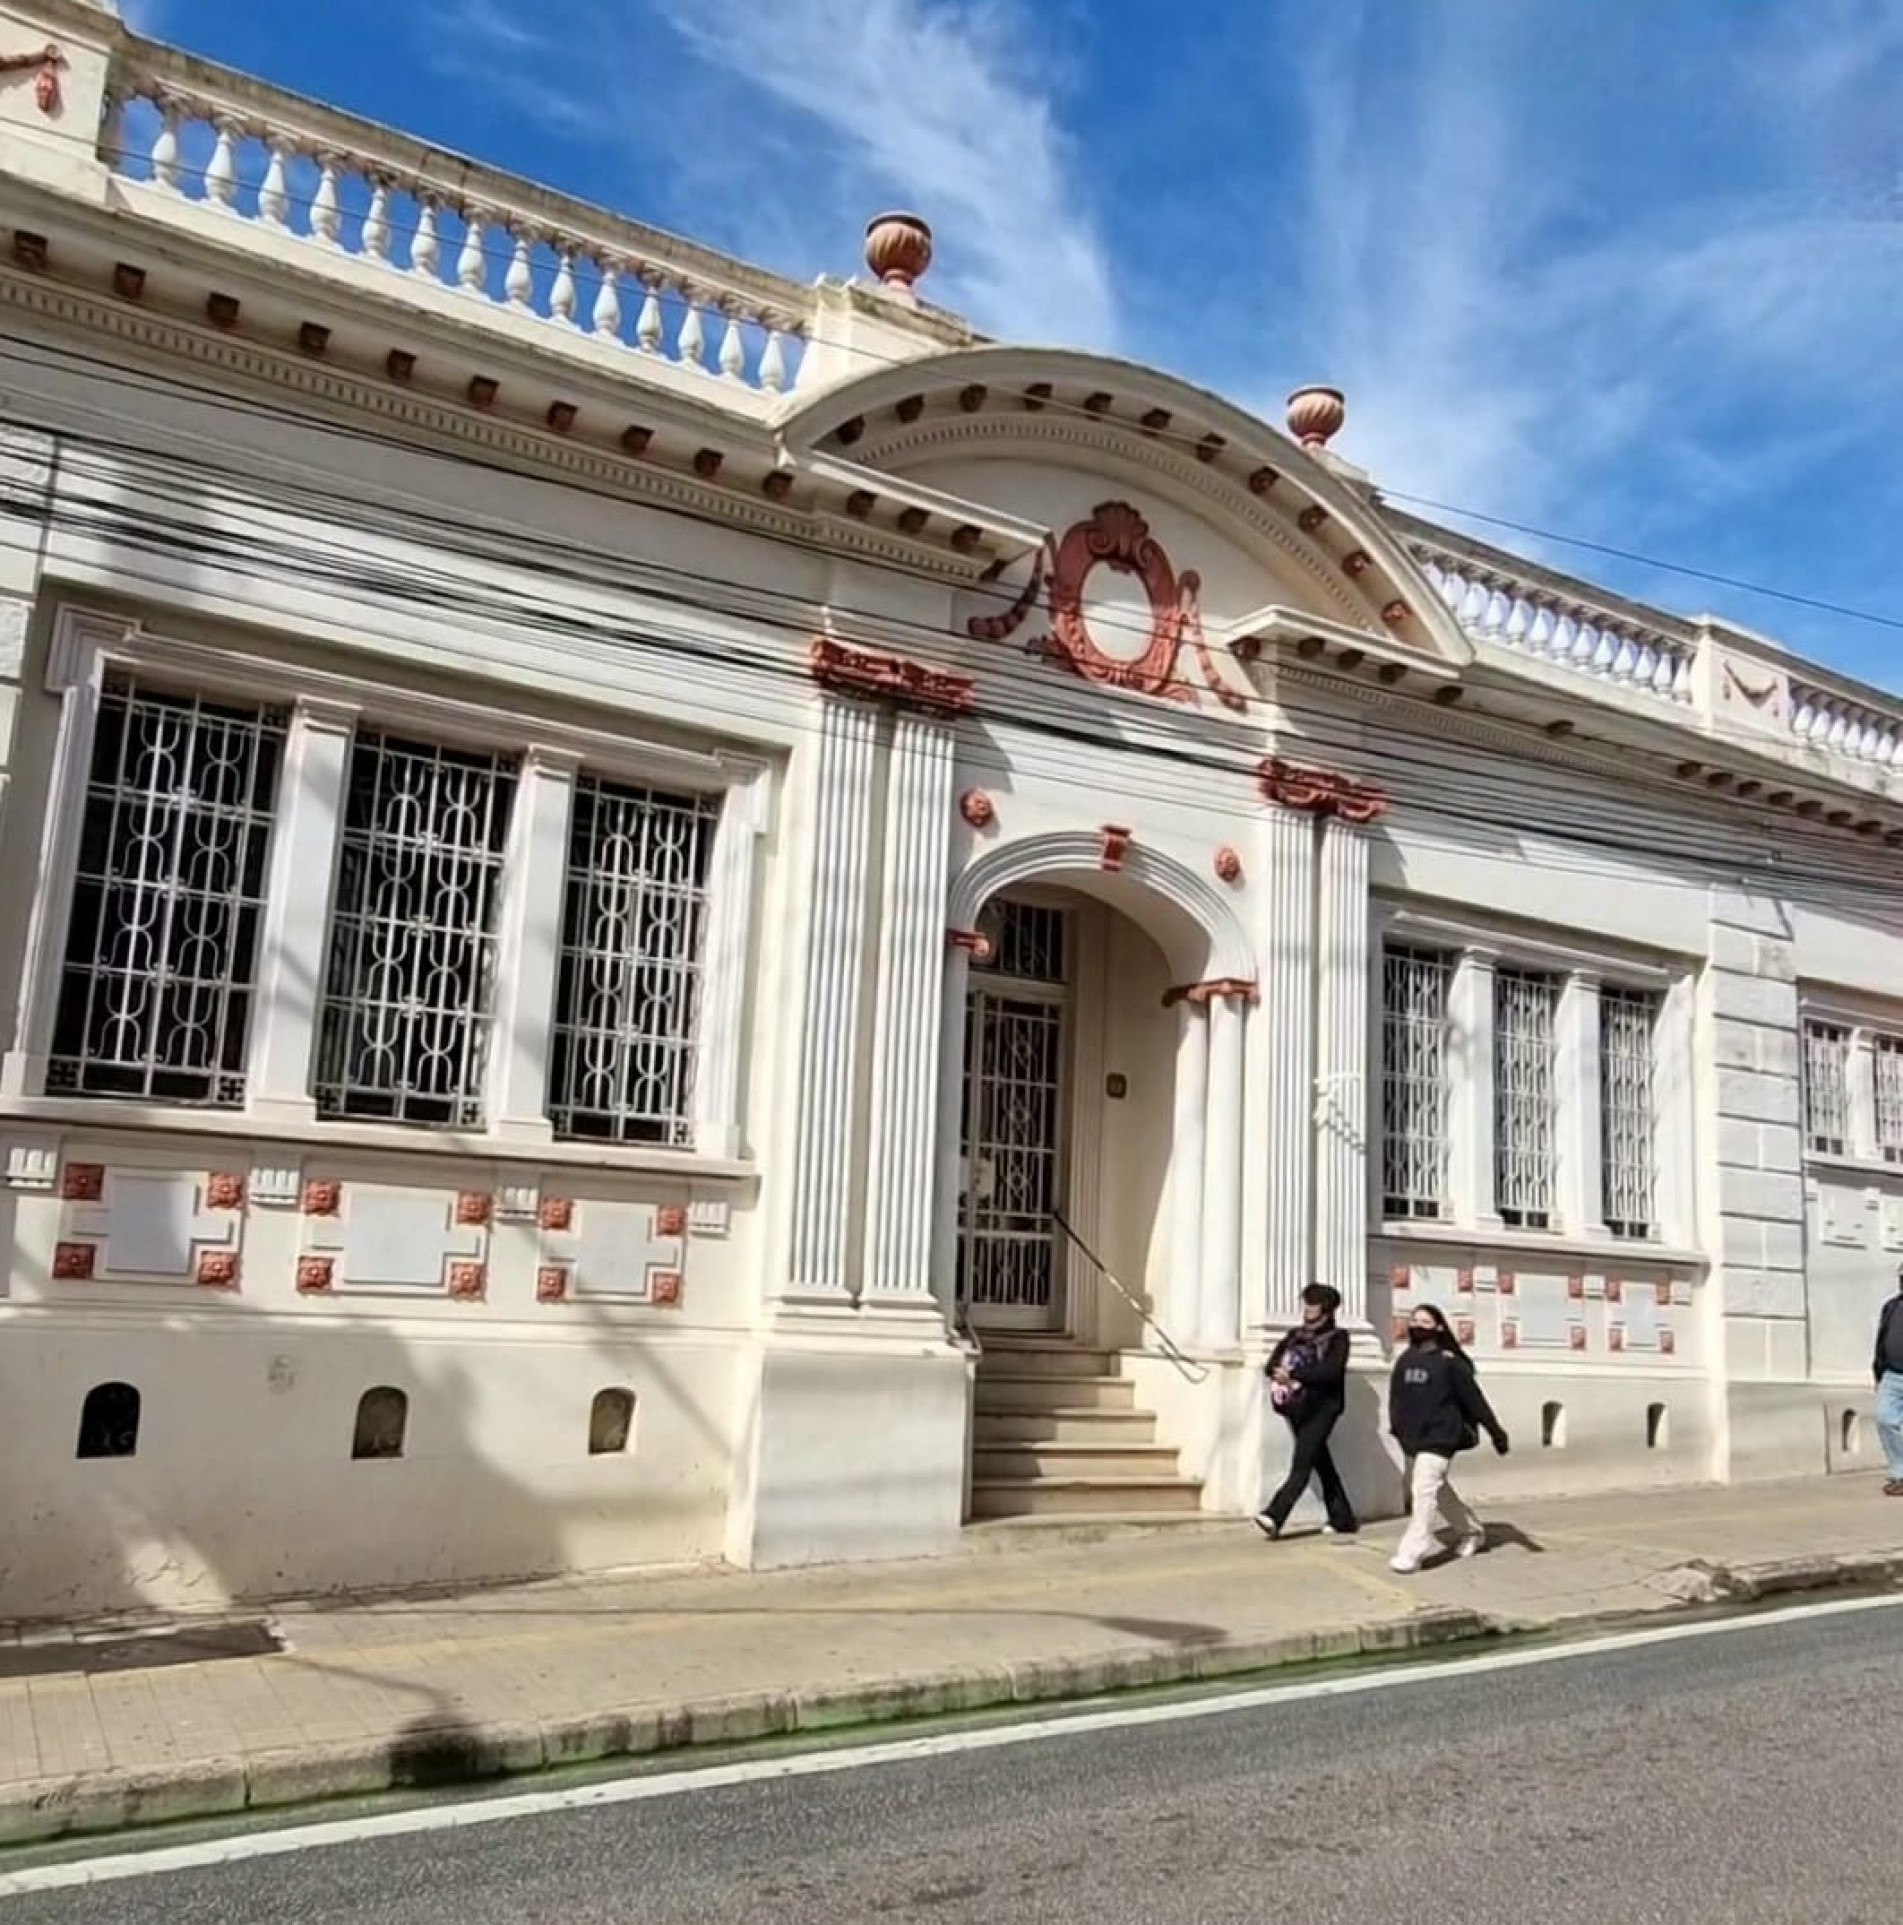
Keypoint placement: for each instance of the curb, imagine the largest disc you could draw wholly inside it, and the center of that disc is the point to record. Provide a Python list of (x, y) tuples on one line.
[(453, 1753)]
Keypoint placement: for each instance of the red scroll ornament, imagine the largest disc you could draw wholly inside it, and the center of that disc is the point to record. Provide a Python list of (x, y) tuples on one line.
[(1115, 536)]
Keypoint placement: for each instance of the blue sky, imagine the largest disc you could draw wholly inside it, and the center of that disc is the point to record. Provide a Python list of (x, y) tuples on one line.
[(1624, 271)]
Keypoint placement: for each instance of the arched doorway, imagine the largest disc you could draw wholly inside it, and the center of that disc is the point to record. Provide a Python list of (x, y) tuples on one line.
[(1036, 1021)]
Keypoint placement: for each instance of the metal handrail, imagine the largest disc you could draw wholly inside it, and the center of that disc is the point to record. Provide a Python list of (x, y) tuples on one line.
[(1195, 1372)]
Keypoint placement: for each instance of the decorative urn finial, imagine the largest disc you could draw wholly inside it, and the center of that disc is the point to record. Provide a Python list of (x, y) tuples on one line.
[(898, 250), (1316, 414)]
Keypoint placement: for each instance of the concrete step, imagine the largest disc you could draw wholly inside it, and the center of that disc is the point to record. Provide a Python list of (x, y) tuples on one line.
[(1065, 1462), (1061, 1426), (1029, 1390), (1082, 1496), (1012, 1356)]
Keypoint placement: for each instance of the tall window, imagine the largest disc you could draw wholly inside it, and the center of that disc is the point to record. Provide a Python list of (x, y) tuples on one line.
[(1628, 1028), (155, 991), (1414, 1071), (410, 978), (633, 919), (1524, 1002), (1827, 1088), (1887, 1066)]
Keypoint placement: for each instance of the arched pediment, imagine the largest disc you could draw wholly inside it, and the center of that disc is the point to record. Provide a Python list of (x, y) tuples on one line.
[(1168, 537)]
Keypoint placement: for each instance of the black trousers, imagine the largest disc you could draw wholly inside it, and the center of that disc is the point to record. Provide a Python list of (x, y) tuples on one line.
[(1314, 1459)]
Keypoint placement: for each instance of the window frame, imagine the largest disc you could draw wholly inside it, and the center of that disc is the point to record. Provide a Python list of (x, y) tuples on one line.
[(1477, 950), (1870, 1027), (325, 706)]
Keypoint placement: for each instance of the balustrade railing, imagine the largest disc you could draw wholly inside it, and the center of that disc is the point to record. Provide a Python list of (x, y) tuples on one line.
[(1822, 719), (295, 169), (1494, 607)]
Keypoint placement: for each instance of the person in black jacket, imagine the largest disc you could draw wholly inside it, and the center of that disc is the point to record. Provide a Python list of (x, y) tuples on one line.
[(1308, 1384), (1888, 1364), (1436, 1410)]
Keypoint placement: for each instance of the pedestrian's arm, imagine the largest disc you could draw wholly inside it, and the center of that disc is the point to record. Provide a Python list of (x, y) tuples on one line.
[(1883, 1338), (1474, 1406), (1327, 1373)]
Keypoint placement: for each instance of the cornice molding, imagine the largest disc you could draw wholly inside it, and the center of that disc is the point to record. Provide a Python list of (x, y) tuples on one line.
[(541, 456)]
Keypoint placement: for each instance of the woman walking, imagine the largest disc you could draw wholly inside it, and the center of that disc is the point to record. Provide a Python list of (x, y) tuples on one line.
[(1436, 1409), (1308, 1384)]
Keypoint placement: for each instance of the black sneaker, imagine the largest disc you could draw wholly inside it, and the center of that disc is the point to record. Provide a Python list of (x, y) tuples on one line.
[(1267, 1526)]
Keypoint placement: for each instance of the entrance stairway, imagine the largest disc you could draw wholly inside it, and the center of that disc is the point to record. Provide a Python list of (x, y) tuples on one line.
[(1057, 1434)]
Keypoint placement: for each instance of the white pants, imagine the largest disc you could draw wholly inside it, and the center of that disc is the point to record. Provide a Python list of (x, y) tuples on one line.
[(1437, 1507)]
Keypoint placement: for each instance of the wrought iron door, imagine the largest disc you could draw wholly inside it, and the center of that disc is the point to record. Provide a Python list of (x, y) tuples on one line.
[(1013, 1146)]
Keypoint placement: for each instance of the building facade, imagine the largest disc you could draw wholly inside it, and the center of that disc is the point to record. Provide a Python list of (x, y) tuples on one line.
[(661, 914)]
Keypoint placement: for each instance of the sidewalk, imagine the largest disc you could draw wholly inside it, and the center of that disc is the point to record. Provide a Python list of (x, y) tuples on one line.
[(439, 1689)]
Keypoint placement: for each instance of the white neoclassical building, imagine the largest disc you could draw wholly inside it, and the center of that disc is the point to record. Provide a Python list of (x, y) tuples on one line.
[(661, 914)]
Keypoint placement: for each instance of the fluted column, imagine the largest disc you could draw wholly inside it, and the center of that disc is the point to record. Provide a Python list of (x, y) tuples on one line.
[(1286, 1025), (906, 1031), (1341, 1107), (1184, 1316), (1221, 1292), (819, 1258)]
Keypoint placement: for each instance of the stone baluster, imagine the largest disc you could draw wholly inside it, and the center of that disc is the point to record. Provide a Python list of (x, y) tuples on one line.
[(604, 318), (561, 293), (164, 158), (911, 984), (833, 891), (690, 344), (426, 250), (274, 198), (518, 282), (733, 350), (326, 211), (471, 265), (650, 329), (773, 362), (221, 172), (376, 224)]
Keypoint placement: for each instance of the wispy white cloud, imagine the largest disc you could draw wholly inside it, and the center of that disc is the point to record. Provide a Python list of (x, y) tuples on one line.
[(1535, 316), (783, 140)]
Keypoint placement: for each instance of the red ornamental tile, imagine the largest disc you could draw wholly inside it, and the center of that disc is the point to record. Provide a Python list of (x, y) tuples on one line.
[(1400, 1277), (1668, 1342), (1615, 1337), (83, 1182), (1615, 1290), (314, 1274), (551, 1283), (1507, 1284), (1576, 1288), (324, 1197), (224, 1190), (1576, 1337), (557, 1213), (73, 1262), (665, 1290), (1664, 1294), (474, 1206), (1397, 1330), (670, 1220), (1464, 1282), (466, 1280), (218, 1269), (1464, 1329)]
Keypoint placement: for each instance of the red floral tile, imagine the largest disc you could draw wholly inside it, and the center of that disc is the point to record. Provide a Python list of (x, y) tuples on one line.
[(83, 1182)]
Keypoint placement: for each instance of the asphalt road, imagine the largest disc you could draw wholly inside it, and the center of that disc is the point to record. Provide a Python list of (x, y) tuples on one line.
[(1740, 1778)]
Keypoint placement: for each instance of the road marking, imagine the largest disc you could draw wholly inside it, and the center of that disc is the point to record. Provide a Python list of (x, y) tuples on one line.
[(215, 1852)]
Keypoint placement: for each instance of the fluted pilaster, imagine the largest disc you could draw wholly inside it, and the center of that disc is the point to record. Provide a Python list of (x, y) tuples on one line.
[(1342, 1097), (906, 1031), (819, 1261), (1286, 1022)]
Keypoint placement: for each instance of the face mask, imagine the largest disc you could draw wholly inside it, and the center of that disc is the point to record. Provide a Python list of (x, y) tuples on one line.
[(1421, 1338)]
